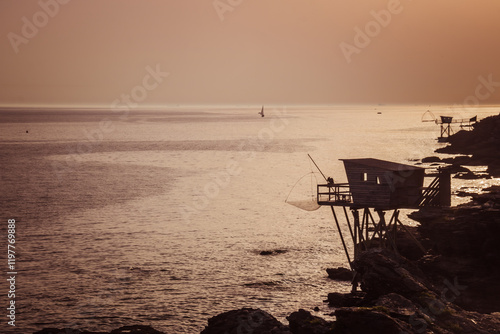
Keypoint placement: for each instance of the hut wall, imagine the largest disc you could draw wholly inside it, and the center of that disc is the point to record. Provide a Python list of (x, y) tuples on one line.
[(374, 192), (383, 188), (407, 188)]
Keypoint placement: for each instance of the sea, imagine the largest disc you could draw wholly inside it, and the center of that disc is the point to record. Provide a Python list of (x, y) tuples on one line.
[(160, 216)]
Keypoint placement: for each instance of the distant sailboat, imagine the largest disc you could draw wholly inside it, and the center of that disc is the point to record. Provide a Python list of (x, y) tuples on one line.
[(261, 113)]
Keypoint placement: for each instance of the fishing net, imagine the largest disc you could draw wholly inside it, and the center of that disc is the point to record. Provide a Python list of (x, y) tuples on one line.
[(303, 194), (428, 116)]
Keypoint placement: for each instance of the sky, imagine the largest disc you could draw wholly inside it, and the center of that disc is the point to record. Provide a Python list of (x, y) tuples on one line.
[(139, 53)]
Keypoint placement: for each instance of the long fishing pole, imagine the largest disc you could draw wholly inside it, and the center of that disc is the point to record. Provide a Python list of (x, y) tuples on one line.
[(317, 167)]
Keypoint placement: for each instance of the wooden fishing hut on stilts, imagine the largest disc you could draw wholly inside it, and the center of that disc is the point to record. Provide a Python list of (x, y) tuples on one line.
[(445, 124), (377, 187)]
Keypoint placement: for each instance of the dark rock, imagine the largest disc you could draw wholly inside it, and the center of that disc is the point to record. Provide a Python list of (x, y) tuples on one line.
[(470, 175), (382, 272), (136, 329), (458, 160), (462, 193), (465, 232), (340, 274), (494, 170), (431, 159), (459, 169), (245, 320), (303, 322), (336, 299), (406, 244), (397, 306), (372, 320), (407, 301), (273, 252)]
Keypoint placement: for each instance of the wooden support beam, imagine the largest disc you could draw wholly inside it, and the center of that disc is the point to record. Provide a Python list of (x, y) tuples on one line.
[(358, 234), (368, 240), (382, 228), (394, 233), (341, 237), (348, 223), (365, 224)]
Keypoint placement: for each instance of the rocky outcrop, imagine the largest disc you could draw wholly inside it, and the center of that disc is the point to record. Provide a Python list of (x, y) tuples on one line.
[(340, 274), (482, 144), (431, 159), (361, 320), (464, 242), (336, 299), (401, 299), (303, 322), (245, 320), (273, 252), (382, 272), (397, 298)]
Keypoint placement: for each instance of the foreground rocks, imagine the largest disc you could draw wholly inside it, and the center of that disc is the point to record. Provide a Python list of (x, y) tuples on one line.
[(303, 322), (397, 298), (404, 299), (464, 243), (246, 320), (340, 274)]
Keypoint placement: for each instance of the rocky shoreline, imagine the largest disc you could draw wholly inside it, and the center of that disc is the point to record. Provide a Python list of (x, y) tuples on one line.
[(451, 288)]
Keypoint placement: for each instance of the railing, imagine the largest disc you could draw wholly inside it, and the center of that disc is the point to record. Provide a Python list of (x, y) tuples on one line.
[(334, 193), (428, 197)]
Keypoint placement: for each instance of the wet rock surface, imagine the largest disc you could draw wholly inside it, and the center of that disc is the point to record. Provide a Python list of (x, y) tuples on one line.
[(340, 274), (336, 299), (303, 322), (273, 252), (245, 320)]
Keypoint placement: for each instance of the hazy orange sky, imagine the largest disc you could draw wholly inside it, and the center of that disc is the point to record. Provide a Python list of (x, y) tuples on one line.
[(94, 52)]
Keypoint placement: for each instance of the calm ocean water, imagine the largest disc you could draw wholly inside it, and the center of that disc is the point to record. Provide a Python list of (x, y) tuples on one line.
[(158, 218)]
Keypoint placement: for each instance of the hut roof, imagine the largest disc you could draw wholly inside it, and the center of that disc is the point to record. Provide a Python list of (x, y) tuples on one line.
[(383, 164)]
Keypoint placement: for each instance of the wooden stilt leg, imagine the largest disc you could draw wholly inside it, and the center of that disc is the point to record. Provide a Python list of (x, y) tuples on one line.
[(357, 234), (341, 237)]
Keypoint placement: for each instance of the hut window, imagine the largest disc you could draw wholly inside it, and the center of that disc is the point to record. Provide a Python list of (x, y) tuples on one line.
[(378, 180), (364, 177)]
